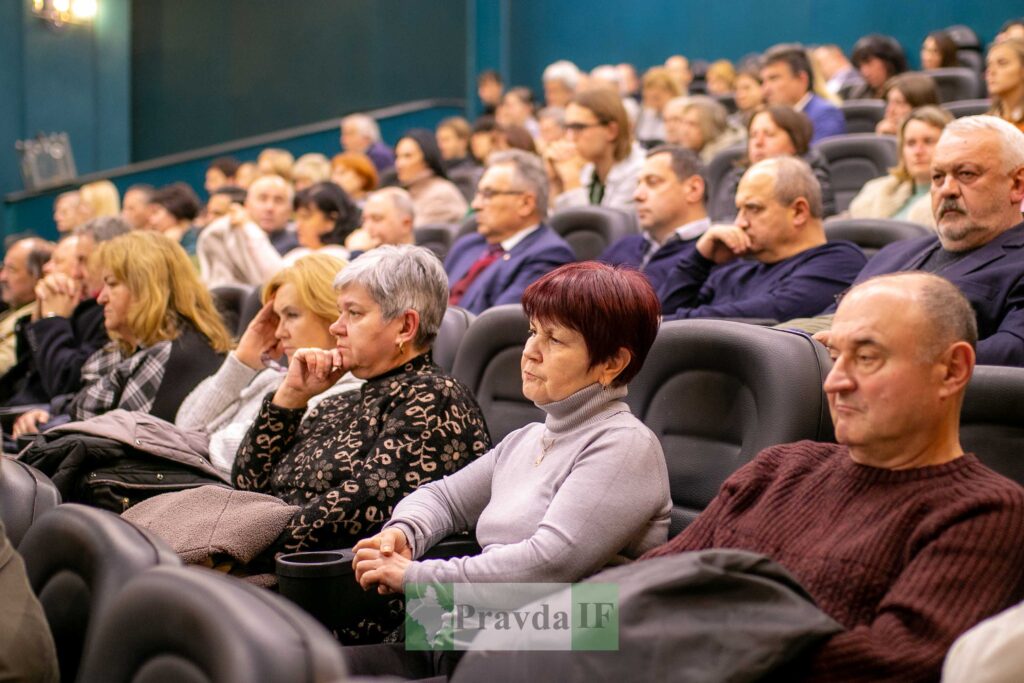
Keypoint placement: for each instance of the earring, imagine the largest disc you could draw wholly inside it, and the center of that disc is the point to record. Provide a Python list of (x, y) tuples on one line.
[(401, 348)]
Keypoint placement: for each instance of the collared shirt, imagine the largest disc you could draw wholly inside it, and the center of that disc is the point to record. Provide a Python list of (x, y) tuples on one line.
[(683, 233), (802, 104), (509, 243)]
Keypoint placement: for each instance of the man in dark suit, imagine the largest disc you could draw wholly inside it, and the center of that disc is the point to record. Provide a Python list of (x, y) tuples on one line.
[(977, 189), (512, 247), (788, 80)]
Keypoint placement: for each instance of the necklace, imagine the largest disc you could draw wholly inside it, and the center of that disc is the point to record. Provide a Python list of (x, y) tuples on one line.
[(545, 446)]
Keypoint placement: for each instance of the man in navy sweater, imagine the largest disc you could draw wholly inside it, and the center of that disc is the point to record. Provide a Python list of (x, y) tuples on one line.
[(670, 208), (773, 262)]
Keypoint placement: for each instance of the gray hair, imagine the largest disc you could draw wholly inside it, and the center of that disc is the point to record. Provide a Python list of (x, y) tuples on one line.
[(529, 171), (563, 71), (276, 180), (400, 199), (366, 124), (943, 305), (400, 278), (556, 114), (793, 179), (103, 229), (1011, 140), (714, 119)]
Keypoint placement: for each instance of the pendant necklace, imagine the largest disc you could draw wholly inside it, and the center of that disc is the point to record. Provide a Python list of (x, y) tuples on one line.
[(545, 445)]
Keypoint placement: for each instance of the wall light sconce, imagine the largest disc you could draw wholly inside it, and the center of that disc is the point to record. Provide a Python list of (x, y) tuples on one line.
[(58, 13)]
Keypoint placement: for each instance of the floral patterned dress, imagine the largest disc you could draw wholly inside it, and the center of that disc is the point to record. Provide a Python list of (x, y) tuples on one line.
[(357, 454)]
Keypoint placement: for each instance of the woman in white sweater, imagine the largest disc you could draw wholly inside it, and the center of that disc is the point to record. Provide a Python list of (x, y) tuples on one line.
[(299, 307)]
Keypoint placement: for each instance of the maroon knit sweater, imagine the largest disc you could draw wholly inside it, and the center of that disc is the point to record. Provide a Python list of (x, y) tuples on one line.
[(906, 560)]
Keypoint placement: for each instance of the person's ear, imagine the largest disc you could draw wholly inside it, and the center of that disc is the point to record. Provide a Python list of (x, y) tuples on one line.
[(694, 189), (1017, 186), (801, 211), (613, 367), (410, 326), (613, 130), (957, 366)]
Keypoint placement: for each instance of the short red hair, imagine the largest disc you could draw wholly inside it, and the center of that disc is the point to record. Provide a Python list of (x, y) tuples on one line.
[(611, 307)]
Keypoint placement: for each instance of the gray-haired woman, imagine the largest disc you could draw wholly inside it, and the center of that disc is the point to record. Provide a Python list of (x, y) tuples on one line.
[(357, 454)]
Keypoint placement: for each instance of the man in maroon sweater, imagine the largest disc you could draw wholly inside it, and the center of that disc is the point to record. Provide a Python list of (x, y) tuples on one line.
[(895, 532)]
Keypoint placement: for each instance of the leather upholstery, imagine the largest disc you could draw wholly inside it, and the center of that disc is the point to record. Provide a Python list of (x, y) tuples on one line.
[(871, 234), (990, 421), (449, 336), (862, 115), (855, 159), (25, 495), (589, 230)]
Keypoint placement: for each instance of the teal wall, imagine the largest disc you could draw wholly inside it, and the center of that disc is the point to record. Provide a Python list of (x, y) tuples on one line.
[(205, 72), (645, 32), (74, 79)]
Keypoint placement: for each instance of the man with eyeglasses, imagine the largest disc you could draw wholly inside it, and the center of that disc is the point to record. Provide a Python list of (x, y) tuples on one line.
[(512, 247)]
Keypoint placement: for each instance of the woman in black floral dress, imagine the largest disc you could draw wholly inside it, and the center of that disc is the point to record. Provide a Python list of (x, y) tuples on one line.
[(358, 454)]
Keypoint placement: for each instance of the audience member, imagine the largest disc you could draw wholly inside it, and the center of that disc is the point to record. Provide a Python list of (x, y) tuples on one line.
[(361, 134), (773, 261), (904, 194), (172, 212), (629, 81), (517, 110), (977, 189), (701, 124), (135, 206), (298, 308), (555, 501), (166, 334), (99, 199), (355, 173), (749, 96), (63, 260), (1012, 28), (597, 163), (903, 93), (1004, 76), (670, 209), (658, 89), (788, 80), (840, 75), (68, 327), (421, 172), (878, 58), (560, 80), (481, 140), (221, 171), (607, 76), (989, 652), (66, 213), (551, 121), (938, 51), (309, 170), (324, 218), (246, 174), (221, 203), (453, 136), (720, 77), (679, 67), (894, 531), (275, 161), (489, 88), (22, 270), (512, 247), (361, 452), (513, 137), (245, 247), (388, 217), (27, 651), (774, 132)]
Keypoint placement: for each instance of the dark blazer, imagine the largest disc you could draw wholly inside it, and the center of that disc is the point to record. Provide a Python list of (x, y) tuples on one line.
[(504, 281), (827, 118), (991, 277), (630, 250)]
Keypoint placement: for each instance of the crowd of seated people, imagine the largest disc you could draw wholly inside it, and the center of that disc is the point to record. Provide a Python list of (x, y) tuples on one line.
[(329, 399)]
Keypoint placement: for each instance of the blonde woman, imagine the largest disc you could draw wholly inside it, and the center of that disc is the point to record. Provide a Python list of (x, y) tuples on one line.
[(166, 334), (1004, 76), (298, 309), (99, 199)]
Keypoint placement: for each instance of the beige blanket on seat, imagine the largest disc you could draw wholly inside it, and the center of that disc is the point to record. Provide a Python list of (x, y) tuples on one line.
[(211, 521)]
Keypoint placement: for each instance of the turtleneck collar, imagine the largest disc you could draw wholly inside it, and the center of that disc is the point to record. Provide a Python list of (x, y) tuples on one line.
[(584, 406)]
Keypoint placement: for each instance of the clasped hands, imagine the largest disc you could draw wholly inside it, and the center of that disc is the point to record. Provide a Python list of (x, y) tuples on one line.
[(56, 294), (382, 560)]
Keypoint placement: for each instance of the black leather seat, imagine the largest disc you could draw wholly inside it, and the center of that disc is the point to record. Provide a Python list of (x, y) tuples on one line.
[(728, 100), (963, 36), (195, 625), (77, 559), (468, 226), (437, 238), (721, 164), (250, 307), (971, 59), (855, 159), (590, 229), (26, 494), (967, 107), (871, 234), (862, 115), (990, 422), (717, 392), (229, 300), (449, 336), (956, 83), (488, 363)]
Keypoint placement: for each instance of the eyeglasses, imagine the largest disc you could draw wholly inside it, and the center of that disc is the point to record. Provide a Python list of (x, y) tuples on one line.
[(487, 194), (580, 127)]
